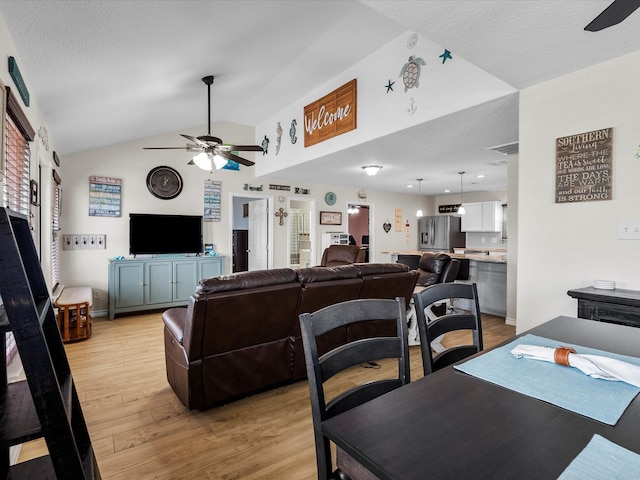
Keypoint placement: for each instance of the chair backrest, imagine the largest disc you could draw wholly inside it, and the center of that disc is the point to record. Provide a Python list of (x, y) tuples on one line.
[(335, 255), (411, 260), (452, 320), (451, 271), (432, 266), (321, 369)]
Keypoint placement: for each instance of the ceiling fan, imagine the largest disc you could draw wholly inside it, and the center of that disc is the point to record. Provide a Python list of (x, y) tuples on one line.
[(613, 14), (211, 149)]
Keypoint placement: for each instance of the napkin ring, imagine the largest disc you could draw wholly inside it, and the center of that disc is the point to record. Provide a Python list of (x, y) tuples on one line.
[(561, 355)]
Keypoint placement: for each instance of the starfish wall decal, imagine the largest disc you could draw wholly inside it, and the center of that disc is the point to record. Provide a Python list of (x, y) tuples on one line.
[(389, 86), (446, 55)]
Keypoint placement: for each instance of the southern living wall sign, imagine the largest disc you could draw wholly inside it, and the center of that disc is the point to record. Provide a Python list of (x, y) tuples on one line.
[(332, 115), (584, 166)]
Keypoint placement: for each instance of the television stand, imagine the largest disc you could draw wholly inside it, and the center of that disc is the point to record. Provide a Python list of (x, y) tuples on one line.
[(138, 284)]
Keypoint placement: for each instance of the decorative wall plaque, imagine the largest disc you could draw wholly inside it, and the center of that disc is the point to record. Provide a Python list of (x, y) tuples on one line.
[(332, 115), (584, 170)]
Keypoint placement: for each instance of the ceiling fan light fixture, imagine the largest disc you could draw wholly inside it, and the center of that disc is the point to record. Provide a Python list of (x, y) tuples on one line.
[(203, 161), (372, 169), (219, 161)]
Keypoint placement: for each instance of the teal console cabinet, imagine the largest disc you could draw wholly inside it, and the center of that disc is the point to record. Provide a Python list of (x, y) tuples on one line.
[(148, 283)]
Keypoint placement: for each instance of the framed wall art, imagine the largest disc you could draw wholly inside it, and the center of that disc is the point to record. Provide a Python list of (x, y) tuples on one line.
[(330, 218)]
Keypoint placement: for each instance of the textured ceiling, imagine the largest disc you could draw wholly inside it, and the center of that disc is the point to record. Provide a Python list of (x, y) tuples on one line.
[(106, 72)]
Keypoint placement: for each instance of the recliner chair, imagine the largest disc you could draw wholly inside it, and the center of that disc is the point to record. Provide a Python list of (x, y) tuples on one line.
[(437, 268), (336, 255)]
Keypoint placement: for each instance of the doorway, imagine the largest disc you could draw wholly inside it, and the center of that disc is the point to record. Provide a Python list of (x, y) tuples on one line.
[(301, 245), (251, 232), (360, 219)]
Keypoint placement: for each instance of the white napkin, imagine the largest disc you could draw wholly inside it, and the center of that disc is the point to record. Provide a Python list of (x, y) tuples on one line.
[(595, 366)]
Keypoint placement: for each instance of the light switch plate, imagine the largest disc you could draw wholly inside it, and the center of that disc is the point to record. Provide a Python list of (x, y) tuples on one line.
[(628, 229)]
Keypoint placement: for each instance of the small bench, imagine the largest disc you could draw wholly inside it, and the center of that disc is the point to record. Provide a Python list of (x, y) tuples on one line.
[(74, 304)]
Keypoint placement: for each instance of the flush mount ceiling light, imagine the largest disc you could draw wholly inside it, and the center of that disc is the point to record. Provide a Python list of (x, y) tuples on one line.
[(419, 211), (461, 210), (372, 169)]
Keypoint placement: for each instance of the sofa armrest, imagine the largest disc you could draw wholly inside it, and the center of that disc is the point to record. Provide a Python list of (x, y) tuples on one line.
[(174, 319), (180, 323)]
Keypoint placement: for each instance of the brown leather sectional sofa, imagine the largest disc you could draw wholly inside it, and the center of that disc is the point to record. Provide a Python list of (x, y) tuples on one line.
[(240, 333)]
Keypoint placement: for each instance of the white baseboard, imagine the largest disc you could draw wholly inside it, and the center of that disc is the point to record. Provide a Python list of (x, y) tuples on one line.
[(510, 321)]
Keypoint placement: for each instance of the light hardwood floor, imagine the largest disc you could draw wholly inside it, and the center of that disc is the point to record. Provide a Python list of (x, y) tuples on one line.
[(140, 430)]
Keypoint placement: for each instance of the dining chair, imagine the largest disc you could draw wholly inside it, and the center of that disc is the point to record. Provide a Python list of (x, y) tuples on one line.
[(361, 351), (449, 320)]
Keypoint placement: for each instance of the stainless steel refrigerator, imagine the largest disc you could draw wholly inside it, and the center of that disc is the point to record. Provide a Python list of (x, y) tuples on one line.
[(441, 233)]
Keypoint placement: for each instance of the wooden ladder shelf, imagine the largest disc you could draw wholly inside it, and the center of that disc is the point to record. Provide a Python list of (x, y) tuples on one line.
[(46, 404)]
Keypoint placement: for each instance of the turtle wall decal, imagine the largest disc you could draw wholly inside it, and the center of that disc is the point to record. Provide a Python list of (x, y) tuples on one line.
[(410, 72)]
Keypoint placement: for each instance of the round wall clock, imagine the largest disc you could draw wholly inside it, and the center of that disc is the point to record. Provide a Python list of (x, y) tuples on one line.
[(330, 198), (164, 182)]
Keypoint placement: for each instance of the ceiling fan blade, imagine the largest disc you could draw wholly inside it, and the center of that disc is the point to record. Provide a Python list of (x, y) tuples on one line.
[(242, 148), (165, 148), (613, 14), (235, 158), (195, 140)]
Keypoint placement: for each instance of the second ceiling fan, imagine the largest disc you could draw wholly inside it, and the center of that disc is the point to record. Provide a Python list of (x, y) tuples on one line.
[(212, 152)]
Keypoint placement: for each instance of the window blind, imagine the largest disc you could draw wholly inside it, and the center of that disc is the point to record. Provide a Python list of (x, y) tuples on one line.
[(16, 181), (15, 184), (55, 232)]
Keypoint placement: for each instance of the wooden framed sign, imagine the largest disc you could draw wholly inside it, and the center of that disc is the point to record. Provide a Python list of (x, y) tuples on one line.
[(332, 115), (330, 218), (584, 169)]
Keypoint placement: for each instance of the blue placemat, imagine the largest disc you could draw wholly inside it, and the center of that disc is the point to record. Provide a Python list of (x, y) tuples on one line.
[(564, 387), (602, 459)]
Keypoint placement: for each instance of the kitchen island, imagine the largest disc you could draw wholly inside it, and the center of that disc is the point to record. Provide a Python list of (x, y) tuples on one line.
[(487, 271)]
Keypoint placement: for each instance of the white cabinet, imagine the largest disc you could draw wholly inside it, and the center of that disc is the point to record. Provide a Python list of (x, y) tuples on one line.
[(334, 238), (482, 217), (491, 280)]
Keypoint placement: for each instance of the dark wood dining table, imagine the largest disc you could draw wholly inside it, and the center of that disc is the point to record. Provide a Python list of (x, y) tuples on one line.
[(450, 425)]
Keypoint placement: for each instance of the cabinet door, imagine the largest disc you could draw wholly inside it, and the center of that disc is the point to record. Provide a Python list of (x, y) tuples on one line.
[(491, 216), (128, 284), (492, 288), (159, 279), (471, 221), (211, 267), (184, 279)]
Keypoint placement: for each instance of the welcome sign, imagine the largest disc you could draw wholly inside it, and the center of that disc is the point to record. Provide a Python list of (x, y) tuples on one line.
[(332, 115)]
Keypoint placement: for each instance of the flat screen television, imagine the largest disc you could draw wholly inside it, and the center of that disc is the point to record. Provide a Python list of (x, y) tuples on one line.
[(155, 234)]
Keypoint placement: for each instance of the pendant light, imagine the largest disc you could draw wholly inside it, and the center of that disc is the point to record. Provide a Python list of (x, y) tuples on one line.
[(461, 210), (419, 211)]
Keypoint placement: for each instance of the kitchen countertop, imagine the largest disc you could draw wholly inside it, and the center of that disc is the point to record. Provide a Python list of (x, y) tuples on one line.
[(471, 256)]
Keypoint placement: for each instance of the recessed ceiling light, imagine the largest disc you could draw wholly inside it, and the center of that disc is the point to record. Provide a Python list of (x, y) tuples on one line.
[(447, 191), (480, 176), (409, 186)]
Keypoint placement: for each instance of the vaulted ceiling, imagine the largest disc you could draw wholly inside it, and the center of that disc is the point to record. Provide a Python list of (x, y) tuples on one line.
[(105, 72)]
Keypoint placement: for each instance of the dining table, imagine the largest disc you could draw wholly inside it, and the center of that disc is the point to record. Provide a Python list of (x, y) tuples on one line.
[(453, 425)]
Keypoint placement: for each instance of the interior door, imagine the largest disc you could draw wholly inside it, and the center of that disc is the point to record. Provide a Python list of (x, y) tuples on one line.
[(258, 235)]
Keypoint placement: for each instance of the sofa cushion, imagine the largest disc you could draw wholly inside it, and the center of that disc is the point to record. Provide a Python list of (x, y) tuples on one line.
[(326, 274), (380, 268), (427, 278), (244, 280)]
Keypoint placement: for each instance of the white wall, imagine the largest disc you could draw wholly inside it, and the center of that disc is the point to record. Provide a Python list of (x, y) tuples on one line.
[(565, 246)]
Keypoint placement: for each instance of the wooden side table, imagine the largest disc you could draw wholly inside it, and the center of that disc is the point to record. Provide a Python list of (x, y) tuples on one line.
[(74, 306), (613, 306)]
